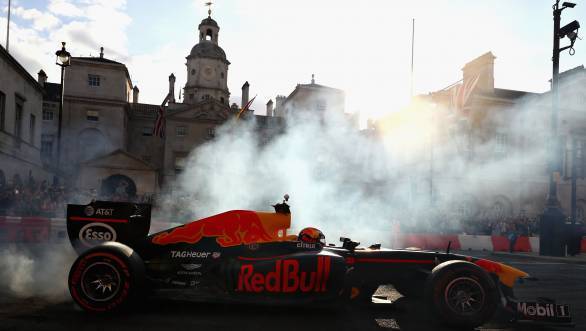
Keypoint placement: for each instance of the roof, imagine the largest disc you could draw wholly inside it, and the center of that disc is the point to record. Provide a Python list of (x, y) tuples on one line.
[(209, 21), (96, 59), (571, 72), (52, 92), (511, 94), (313, 87), (208, 49), (103, 60), (139, 164), (20, 69), (144, 109)]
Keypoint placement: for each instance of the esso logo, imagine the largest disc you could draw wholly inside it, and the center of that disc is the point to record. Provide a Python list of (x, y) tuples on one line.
[(95, 233)]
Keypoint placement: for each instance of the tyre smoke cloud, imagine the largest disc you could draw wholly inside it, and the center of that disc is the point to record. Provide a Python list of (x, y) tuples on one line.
[(364, 184), (38, 271)]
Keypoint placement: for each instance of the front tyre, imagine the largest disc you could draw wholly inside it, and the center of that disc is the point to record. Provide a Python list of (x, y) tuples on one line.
[(106, 278), (461, 294)]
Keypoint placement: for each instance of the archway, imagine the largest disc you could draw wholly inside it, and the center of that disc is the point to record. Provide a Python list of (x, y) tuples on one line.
[(118, 188)]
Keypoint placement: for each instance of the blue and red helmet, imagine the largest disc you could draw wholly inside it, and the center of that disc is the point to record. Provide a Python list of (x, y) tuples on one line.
[(312, 235)]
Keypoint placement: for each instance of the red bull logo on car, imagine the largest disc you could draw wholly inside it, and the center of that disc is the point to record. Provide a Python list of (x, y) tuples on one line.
[(230, 229), (287, 277)]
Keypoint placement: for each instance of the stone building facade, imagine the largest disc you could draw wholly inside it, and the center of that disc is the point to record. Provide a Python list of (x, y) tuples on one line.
[(488, 159), (21, 98)]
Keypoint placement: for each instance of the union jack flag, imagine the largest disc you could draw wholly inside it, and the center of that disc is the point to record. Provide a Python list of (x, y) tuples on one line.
[(159, 129), (245, 108), (461, 93)]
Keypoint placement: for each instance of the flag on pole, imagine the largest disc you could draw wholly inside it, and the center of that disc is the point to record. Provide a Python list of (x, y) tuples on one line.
[(159, 129), (462, 92), (245, 108)]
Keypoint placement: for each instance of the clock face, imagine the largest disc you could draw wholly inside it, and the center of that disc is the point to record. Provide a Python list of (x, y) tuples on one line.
[(208, 73)]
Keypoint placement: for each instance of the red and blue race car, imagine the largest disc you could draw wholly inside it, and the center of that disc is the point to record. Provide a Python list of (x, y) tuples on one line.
[(248, 256)]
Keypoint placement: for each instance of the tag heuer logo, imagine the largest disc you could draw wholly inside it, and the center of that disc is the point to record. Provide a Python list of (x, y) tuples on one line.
[(89, 211)]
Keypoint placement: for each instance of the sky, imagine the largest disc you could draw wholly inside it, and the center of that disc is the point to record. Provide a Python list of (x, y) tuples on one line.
[(363, 48)]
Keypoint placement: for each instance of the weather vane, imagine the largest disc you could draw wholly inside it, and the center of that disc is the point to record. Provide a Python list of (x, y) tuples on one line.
[(209, 5)]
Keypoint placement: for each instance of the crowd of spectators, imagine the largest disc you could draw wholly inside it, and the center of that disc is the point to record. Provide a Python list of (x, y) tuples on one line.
[(32, 198)]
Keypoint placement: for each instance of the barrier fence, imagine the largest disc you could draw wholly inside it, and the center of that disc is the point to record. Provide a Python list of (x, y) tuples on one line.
[(53, 230)]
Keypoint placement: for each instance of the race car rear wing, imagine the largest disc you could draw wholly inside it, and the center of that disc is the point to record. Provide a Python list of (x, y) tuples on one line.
[(100, 221)]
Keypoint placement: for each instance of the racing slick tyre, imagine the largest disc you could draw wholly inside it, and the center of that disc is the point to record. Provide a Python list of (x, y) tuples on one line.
[(460, 294), (106, 278)]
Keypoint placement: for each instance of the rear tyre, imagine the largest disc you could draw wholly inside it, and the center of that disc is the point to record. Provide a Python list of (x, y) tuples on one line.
[(106, 278), (461, 294)]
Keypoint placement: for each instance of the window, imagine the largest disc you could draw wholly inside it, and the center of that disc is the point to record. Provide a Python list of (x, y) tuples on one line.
[(32, 127), (19, 105), (93, 116), (181, 131), (2, 109), (46, 146), (147, 131), (211, 133), (93, 80), (190, 96), (180, 161), (207, 97), (222, 75), (222, 99), (48, 115), (193, 71)]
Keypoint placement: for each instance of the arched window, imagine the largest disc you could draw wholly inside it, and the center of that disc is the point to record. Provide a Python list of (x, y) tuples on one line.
[(209, 34), (193, 71)]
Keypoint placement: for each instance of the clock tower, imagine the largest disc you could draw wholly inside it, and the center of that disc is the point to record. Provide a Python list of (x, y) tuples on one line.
[(207, 67)]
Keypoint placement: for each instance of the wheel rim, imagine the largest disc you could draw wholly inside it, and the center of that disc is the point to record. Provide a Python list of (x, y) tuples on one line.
[(100, 281), (465, 296)]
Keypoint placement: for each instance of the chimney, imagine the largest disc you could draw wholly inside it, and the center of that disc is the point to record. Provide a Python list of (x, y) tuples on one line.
[(135, 94), (42, 77), (483, 68), (244, 94), (270, 108), (101, 52), (279, 103), (171, 88)]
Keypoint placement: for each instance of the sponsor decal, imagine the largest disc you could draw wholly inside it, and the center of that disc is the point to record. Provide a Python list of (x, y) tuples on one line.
[(89, 211), (229, 229), (191, 266), (285, 278), (537, 310), (301, 244), (95, 233), (253, 247), (216, 255), (190, 254), (179, 283), (188, 273), (104, 211)]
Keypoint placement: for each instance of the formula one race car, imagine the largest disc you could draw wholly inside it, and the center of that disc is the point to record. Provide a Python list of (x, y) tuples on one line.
[(247, 256)]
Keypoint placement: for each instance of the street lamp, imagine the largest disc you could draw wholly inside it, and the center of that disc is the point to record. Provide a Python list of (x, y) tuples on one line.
[(552, 241), (62, 59)]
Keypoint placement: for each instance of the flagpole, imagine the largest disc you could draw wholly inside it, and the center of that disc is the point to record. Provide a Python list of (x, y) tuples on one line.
[(412, 49), (8, 28)]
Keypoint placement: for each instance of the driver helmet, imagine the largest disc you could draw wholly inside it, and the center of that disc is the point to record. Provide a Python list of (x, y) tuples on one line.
[(312, 235)]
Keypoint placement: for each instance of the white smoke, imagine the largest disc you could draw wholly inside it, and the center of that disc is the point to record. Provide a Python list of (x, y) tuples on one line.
[(39, 271), (348, 183)]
